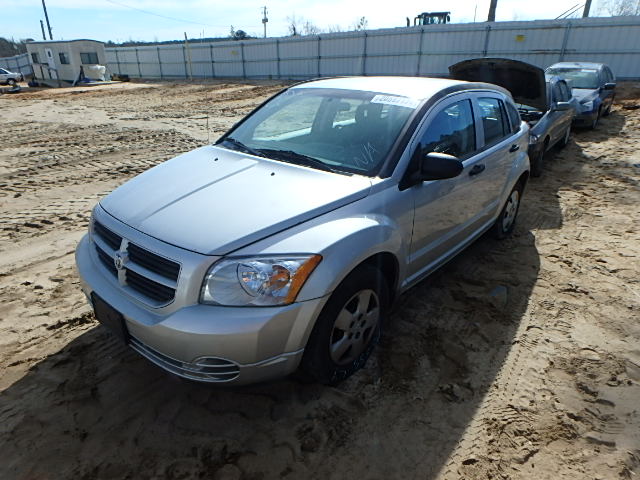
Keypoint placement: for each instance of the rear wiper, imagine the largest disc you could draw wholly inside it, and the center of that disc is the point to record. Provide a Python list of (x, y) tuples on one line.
[(241, 146), (296, 158)]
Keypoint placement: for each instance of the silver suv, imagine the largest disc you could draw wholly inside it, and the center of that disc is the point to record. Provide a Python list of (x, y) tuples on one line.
[(281, 247)]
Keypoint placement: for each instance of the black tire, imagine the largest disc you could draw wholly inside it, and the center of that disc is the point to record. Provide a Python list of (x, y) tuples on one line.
[(501, 228), (11, 82), (537, 164), (319, 362), (594, 124)]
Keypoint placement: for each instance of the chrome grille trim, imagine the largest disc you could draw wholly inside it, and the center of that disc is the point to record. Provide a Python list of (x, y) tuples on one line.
[(222, 371), (143, 273)]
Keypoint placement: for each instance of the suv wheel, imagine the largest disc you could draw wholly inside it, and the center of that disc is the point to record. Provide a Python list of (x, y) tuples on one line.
[(11, 82), (348, 328), (506, 221)]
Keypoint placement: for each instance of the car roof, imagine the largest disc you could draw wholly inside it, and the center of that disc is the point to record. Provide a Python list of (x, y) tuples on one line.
[(594, 65), (414, 87)]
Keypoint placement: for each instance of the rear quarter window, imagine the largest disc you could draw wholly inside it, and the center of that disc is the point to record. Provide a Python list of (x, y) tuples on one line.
[(514, 117)]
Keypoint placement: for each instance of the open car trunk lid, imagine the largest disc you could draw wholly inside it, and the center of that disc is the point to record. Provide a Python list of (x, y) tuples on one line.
[(526, 82)]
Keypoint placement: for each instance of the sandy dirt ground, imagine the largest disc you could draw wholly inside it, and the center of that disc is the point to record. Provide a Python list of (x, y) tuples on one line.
[(519, 359)]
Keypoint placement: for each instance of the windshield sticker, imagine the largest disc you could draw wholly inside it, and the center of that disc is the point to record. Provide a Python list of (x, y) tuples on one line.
[(395, 100)]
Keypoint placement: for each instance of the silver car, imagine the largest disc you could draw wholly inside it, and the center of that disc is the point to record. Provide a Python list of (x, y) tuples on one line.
[(282, 246), (10, 78)]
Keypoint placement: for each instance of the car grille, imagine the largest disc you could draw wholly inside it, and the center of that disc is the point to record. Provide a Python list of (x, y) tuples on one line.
[(151, 275), (207, 369)]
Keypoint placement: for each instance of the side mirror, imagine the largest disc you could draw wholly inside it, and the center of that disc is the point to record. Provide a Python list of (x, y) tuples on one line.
[(438, 166), (609, 86), (561, 106)]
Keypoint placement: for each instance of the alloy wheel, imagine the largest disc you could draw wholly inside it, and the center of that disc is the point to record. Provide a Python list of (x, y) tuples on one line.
[(354, 327)]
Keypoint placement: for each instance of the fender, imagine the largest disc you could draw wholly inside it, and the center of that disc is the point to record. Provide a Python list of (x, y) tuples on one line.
[(344, 243)]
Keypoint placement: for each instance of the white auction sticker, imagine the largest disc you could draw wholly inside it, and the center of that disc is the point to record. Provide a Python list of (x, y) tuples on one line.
[(395, 100)]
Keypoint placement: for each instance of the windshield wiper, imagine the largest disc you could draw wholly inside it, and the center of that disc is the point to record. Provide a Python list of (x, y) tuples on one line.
[(241, 146), (296, 158)]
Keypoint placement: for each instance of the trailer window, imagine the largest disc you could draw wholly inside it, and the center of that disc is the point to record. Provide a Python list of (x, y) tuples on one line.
[(63, 58), (89, 58)]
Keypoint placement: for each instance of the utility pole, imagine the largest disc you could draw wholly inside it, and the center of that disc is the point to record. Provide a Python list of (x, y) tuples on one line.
[(44, 37), (492, 11), (264, 20), (587, 7), (47, 19)]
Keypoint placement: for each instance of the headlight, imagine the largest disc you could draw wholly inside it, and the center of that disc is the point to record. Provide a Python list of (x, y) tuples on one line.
[(257, 281), (587, 106), (533, 139)]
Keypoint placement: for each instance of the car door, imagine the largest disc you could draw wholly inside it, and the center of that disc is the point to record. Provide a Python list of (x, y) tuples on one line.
[(498, 148), (567, 115), (441, 207), (606, 95), (3, 75), (450, 213), (557, 124)]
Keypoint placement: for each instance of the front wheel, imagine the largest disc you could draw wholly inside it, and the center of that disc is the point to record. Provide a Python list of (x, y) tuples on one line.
[(347, 329), (595, 121), (565, 140), (506, 221), (537, 163)]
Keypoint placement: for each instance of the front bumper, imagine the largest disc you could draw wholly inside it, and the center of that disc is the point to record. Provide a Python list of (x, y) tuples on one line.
[(231, 345), (585, 119)]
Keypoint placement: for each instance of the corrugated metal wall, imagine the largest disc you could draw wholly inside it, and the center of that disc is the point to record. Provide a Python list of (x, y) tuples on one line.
[(426, 50), (17, 64)]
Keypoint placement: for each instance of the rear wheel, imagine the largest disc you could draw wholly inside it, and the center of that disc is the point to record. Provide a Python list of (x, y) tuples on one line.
[(506, 221), (348, 328), (11, 82)]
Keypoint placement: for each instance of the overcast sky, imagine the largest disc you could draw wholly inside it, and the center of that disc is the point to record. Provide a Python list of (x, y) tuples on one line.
[(113, 20)]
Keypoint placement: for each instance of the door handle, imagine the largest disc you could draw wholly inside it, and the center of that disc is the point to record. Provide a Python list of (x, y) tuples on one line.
[(476, 170), (514, 147)]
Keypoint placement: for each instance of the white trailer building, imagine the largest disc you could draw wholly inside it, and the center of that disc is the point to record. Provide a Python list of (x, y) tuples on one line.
[(58, 62)]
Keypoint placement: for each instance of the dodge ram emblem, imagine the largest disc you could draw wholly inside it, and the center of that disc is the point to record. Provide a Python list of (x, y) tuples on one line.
[(119, 260)]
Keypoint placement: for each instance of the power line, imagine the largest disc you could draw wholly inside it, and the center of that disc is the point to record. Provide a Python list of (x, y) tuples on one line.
[(166, 16)]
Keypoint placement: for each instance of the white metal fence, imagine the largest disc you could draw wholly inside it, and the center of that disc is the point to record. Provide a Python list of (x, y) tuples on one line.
[(17, 64), (423, 50)]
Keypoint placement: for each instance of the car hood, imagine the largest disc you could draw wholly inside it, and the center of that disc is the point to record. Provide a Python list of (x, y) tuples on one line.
[(584, 94), (213, 201), (526, 82)]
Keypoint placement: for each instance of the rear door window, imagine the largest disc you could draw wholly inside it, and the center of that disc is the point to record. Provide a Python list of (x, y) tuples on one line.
[(452, 131), (494, 122)]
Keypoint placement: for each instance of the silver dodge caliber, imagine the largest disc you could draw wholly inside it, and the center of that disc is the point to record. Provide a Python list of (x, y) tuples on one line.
[(281, 247)]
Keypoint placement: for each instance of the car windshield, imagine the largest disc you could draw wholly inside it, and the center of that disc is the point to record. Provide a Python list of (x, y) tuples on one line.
[(330, 129), (578, 77)]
